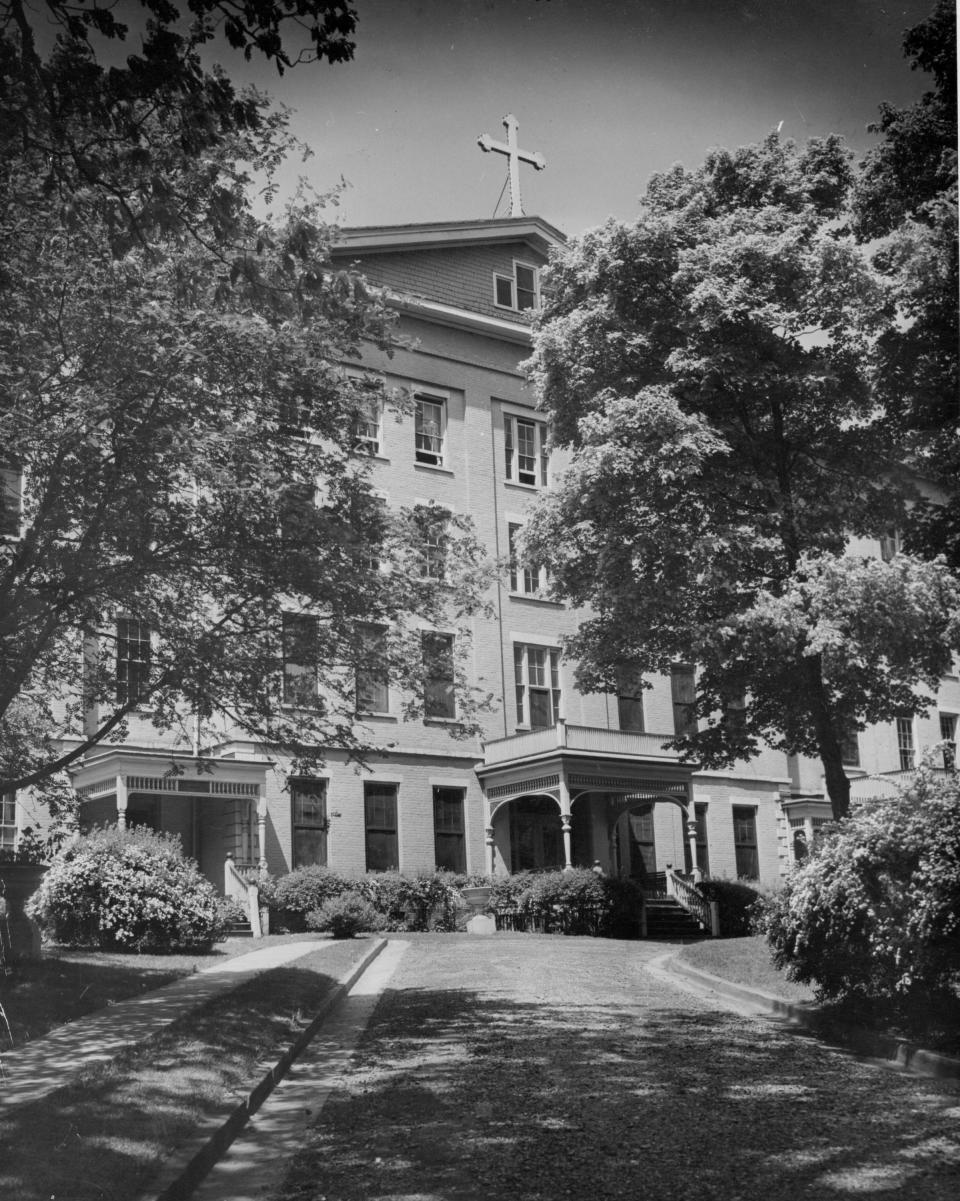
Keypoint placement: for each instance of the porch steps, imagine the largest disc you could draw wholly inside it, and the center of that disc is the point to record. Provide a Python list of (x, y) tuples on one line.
[(238, 930), (668, 921)]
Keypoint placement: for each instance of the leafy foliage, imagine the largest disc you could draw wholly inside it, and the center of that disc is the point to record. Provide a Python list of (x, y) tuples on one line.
[(875, 912), (178, 421), (576, 902), (128, 890), (345, 916), (735, 903), (710, 367)]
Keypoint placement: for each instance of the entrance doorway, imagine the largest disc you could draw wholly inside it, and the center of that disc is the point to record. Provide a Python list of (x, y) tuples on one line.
[(536, 838)]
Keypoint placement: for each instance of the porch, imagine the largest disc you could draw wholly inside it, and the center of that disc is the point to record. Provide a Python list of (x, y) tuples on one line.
[(569, 795)]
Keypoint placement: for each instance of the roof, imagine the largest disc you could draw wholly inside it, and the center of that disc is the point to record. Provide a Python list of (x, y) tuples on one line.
[(384, 239)]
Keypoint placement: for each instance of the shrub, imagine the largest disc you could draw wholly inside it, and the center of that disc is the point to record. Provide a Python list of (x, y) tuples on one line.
[(576, 902), (736, 904), (413, 903), (302, 891), (344, 916), (875, 912), (127, 889)]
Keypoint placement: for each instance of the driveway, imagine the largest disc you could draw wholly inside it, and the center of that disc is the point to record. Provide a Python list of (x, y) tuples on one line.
[(523, 1067)]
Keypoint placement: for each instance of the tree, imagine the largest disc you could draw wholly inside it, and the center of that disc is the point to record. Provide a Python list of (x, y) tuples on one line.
[(905, 205), (188, 522), (709, 367)]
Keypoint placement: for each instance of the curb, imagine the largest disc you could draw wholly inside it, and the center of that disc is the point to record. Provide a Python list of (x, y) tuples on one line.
[(897, 1052), (191, 1165)]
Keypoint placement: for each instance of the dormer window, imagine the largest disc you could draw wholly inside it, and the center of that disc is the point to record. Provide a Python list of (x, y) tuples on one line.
[(519, 291)]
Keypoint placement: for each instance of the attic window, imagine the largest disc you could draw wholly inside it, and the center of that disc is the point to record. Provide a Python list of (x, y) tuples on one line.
[(518, 291)]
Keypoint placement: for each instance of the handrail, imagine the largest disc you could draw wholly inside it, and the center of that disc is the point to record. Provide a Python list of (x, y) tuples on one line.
[(692, 899), (246, 893)]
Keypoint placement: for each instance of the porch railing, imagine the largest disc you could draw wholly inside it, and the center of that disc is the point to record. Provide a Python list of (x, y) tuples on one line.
[(692, 899), (244, 892), (578, 738)]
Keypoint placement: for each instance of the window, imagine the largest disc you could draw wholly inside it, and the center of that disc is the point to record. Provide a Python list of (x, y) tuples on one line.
[(525, 447), (450, 849), (735, 715), (905, 744), (380, 820), (683, 694), (298, 516), (8, 822), (310, 825), (519, 291), (11, 502), (430, 427), (948, 736), (439, 699), (850, 747), (300, 660), (537, 679), (890, 545), (643, 848), (373, 682), (703, 852), (745, 842), (432, 525), (368, 416), (629, 700), (133, 660), (528, 579)]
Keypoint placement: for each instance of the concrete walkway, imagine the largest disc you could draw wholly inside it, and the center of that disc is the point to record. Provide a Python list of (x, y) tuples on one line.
[(33, 1071)]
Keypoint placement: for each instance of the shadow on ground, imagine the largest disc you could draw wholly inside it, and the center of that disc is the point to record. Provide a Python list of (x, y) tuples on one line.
[(458, 1095), (104, 1137)]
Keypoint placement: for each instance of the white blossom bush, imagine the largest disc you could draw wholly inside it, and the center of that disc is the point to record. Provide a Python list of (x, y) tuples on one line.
[(129, 890), (873, 918)]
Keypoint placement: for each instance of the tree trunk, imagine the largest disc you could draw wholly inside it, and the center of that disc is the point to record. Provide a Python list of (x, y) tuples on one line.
[(828, 744)]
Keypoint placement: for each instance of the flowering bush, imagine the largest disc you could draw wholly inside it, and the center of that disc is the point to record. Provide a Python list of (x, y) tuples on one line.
[(875, 913), (414, 903), (302, 891), (127, 890), (570, 902), (345, 916)]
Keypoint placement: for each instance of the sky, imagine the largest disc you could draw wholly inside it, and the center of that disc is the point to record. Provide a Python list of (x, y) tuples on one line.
[(609, 91)]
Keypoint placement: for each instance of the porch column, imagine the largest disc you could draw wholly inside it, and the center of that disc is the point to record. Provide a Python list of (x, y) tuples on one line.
[(566, 822), (692, 842), (121, 803), (491, 850), (262, 832)]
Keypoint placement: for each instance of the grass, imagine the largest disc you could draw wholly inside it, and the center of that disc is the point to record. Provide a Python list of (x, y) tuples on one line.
[(745, 961), (106, 1134), (64, 984)]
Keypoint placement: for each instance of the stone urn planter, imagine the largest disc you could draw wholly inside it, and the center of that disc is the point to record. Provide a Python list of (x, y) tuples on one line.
[(476, 897), (19, 934)]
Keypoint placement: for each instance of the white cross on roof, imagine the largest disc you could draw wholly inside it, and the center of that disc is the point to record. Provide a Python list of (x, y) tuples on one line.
[(516, 156)]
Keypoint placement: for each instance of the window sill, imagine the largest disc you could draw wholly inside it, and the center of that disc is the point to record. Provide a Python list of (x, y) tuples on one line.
[(385, 718), (441, 721), (433, 468), (515, 484), (536, 600)]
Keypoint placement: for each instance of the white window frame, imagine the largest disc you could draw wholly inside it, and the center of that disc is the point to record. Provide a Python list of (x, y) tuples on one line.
[(514, 286), (8, 806), (525, 580), (906, 742), (539, 477), (434, 565), (288, 699), (11, 503), (891, 543), (370, 440), (948, 736), (426, 456), (536, 668), (140, 701), (370, 631), (451, 638)]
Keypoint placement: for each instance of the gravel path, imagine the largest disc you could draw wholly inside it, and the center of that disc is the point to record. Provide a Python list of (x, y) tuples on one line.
[(527, 1068)]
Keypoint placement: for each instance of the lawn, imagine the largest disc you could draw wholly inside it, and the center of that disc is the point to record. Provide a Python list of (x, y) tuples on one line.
[(64, 984), (106, 1133), (744, 961)]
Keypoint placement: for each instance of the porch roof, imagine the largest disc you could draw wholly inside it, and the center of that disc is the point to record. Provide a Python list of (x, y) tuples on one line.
[(584, 759), (142, 769)]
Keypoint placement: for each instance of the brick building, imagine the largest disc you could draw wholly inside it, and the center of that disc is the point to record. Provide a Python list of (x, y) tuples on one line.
[(558, 777)]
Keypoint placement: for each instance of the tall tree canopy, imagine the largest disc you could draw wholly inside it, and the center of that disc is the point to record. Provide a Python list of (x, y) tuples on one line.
[(905, 204), (187, 526), (709, 364)]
